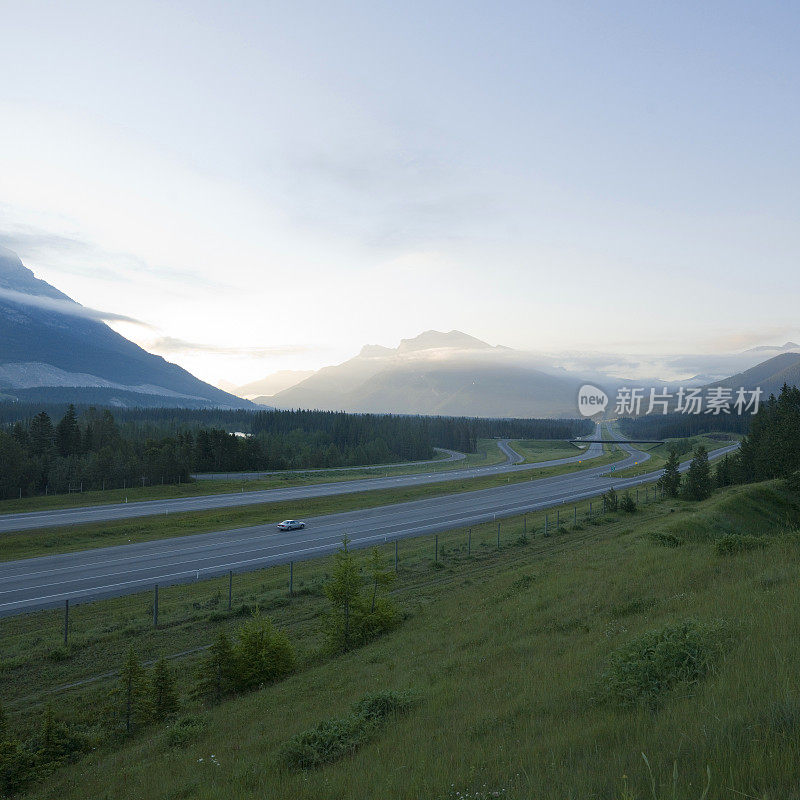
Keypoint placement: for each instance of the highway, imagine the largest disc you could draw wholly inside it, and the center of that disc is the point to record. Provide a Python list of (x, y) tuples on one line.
[(45, 582), (32, 520)]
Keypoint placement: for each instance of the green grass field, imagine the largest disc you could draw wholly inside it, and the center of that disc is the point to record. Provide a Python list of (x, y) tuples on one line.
[(48, 541), (536, 450), (504, 651), (487, 454)]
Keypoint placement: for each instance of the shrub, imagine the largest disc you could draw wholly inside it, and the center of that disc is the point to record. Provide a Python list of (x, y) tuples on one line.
[(335, 738), (57, 742), (666, 539), (184, 731), (644, 670), (627, 504), (262, 654), (611, 500), (18, 767), (733, 543)]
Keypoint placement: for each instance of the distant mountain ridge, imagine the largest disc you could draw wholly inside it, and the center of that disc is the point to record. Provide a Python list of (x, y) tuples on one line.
[(770, 375), (435, 373), (48, 349)]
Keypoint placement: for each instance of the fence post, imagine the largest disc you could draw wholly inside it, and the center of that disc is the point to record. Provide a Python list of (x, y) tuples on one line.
[(155, 606), (545, 524), (558, 518), (230, 589), (590, 509), (469, 542), (576, 515), (524, 523), (637, 497), (498, 535), (66, 621), (396, 558), (436, 550), (291, 578)]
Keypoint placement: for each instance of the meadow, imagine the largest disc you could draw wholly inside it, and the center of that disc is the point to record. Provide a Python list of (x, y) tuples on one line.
[(542, 669)]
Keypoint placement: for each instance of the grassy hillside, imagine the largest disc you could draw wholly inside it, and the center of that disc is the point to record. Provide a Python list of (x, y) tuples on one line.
[(531, 668)]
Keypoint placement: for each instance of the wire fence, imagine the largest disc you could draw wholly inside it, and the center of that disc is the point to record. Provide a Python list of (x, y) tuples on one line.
[(85, 640)]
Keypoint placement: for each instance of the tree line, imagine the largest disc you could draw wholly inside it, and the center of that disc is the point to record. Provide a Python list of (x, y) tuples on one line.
[(90, 448), (771, 449)]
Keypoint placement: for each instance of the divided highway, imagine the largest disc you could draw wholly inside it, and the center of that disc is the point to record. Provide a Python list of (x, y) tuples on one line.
[(77, 516), (39, 583)]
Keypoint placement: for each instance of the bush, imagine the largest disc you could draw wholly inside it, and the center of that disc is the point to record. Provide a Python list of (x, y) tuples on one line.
[(666, 539), (611, 500), (184, 731), (627, 504), (732, 543), (644, 670), (262, 654), (335, 738), (18, 767)]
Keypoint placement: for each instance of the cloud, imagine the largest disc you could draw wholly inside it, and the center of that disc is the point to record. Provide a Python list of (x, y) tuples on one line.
[(66, 307), (170, 344), (72, 255)]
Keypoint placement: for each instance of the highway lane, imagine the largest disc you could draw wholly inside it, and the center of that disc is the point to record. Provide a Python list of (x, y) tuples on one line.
[(452, 455), (32, 584), (75, 516)]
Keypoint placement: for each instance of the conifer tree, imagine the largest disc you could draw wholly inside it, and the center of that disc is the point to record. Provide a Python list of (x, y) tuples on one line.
[(132, 695), (344, 592), (217, 674), (163, 697), (698, 484), (670, 481)]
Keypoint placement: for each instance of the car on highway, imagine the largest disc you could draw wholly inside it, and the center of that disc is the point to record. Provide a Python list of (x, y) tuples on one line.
[(291, 525)]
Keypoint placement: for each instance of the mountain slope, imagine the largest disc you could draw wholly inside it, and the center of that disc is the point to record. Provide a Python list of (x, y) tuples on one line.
[(770, 375), (273, 383), (435, 373), (45, 343)]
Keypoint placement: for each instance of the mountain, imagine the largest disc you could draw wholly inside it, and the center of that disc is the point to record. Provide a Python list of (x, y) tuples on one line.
[(262, 389), (54, 349), (770, 375), (436, 373), (789, 347)]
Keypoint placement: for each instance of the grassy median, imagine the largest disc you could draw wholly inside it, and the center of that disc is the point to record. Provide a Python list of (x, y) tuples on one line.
[(48, 541)]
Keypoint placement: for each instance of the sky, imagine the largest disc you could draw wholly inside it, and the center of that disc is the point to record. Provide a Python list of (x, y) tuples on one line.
[(256, 186)]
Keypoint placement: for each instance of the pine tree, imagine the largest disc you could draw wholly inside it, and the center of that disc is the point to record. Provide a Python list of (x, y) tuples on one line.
[(68, 434), (670, 481), (42, 435), (131, 695), (344, 592), (217, 674), (380, 575), (163, 697), (698, 484)]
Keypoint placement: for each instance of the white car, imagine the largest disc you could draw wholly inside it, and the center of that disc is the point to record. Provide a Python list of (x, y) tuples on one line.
[(291, 525)]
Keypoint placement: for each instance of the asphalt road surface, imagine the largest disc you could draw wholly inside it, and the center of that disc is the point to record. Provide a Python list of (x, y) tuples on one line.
[(38, 583), (76, 516)]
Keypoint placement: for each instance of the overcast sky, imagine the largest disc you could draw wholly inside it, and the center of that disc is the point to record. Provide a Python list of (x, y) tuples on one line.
[(271, 185)]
